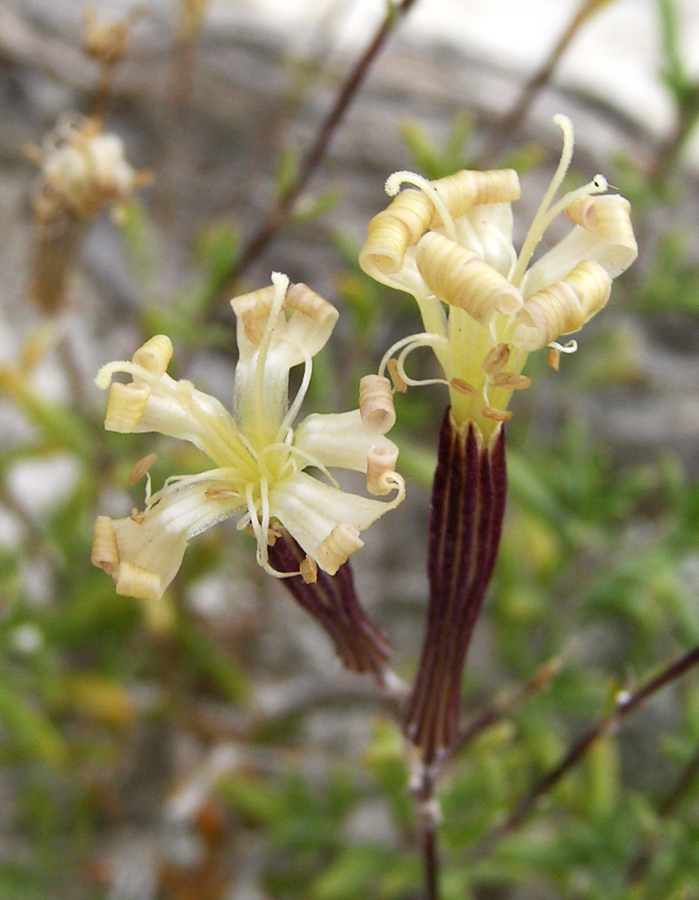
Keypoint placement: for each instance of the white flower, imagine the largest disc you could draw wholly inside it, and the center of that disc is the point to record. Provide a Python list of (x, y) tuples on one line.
[(82, 169), (260, 459), (450, 242)]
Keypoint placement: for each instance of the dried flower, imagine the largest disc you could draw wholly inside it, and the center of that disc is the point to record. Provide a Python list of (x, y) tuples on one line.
[(83, 169), (450, 242), (260, 459)]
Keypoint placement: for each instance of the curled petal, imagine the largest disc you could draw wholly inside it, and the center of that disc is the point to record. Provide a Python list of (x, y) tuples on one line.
[(269, 345), (393, 230), (155, 354), (310, 324), (143, 553), (457, 276), (564, 307), (339, 440), (337, 547), (376, 403), (412, 212), (174, 408), (603, 234), (135, 581), (127, 403), (311, 510), (381, 459), (468, 188), (609, 217), (105, 552)]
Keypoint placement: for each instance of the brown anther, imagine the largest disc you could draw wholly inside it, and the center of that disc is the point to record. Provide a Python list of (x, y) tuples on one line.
[(272, 536), (553, 358), (497, 415), (309, 570), (496, 359), (463, 387), (141, 468), (398, 382), (220, 491), (510, 380), (137, 517)]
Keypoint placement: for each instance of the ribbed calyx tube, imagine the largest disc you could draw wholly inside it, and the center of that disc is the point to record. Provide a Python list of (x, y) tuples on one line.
[(332, 601), (468, 504)]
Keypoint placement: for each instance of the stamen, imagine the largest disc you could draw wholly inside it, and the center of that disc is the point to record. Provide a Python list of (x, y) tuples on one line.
[(463, 387), (536, 230), (307, 457), (598, 185), (553, 354), (412, 342), (568, 347), (309, 570), (511, 380), (553, 358), (264, 500), (413, 382), (497, 415), (496, 359), (141, 468), (293, 410), (393, 185), (281, 285), (398, 383), (221, 491)]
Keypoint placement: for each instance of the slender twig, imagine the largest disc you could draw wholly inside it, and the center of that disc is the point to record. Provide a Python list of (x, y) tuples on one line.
[(627, 703), (429, 849), (512, 120), (682, 786), (506, 703), (429, 817), (284, 203)]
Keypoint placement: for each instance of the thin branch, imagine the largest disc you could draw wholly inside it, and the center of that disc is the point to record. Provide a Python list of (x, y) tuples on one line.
[(429, 816), (506, 703), (284, 204), (627, 703), (512, 120)]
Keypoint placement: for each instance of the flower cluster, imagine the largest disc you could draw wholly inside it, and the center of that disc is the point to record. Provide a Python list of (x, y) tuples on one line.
[(450, 242), (260, 458), (82, 170)]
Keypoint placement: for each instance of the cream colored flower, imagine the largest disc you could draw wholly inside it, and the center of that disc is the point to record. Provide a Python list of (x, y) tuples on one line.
[(260, 459), (83, 169), (450, 242)]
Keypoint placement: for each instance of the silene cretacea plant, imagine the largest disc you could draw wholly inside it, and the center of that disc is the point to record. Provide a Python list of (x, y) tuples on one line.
[(484, 308), (305, 526)]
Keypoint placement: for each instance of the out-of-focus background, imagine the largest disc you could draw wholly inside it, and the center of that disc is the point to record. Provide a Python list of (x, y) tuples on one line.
[(210, 745)]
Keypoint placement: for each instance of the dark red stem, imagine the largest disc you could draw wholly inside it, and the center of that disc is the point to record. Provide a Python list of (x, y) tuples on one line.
[(468, 504), (333, 603)]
